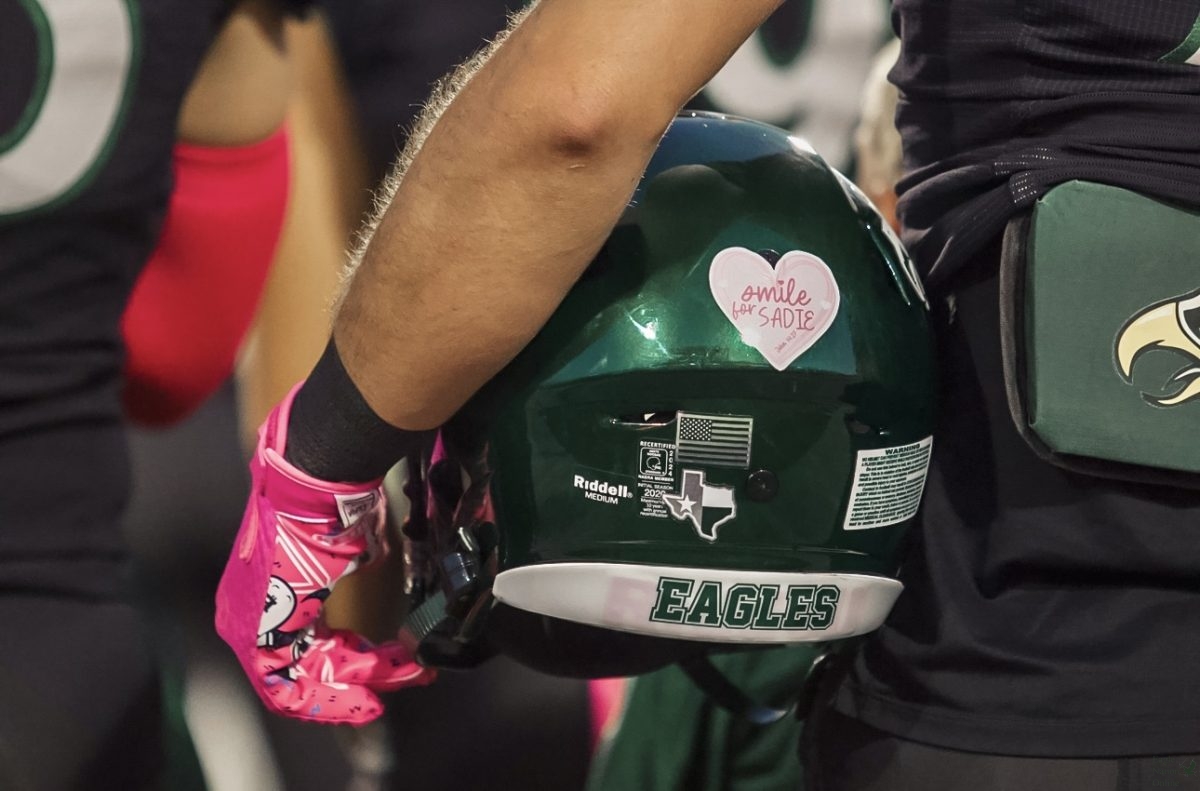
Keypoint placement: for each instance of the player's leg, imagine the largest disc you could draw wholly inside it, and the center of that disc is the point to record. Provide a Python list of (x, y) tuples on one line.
[(846, 755), (80, 698)]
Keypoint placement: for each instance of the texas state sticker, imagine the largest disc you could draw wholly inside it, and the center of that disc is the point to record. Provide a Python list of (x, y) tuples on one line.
[(780, 311)]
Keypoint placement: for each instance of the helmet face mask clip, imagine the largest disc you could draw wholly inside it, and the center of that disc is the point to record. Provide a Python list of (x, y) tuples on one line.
[(718, 440)]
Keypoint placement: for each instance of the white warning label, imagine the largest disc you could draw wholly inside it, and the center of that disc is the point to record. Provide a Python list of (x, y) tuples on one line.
[(887, 485), (656, 475)]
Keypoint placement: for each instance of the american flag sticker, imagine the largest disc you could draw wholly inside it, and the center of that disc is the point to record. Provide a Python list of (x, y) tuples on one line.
[(716, 440)]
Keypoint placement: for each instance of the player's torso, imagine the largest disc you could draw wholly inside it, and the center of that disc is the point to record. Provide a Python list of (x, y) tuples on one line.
[(89, 96), (1002, 99), (978, 73), (88, 108)]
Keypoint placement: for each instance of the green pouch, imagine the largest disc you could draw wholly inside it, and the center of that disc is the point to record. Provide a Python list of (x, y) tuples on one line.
[(1100, 315)]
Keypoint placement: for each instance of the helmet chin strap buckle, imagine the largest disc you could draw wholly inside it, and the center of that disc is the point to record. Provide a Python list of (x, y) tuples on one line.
[(448, 626)]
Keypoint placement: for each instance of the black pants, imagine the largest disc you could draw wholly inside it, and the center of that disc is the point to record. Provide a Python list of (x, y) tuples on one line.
[(842, 754), (80, 699)]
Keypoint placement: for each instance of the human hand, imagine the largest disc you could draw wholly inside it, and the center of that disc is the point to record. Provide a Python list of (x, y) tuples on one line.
[(299, 536)]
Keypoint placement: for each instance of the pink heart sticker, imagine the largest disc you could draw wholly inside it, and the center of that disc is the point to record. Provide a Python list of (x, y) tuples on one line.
[(782, 311)]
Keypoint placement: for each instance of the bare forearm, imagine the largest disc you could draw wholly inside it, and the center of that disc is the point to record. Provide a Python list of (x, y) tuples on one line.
[(516, 189)]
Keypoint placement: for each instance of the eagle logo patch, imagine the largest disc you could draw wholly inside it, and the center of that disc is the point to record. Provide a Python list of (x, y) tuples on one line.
[(1171, 325)]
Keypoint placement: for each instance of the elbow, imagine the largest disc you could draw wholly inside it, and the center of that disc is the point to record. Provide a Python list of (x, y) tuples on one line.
[(584, 128)]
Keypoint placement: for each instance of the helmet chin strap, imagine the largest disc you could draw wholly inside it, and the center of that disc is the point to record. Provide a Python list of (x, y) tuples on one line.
[(448, 625), (725, 693), (712, 682), (455, 543)]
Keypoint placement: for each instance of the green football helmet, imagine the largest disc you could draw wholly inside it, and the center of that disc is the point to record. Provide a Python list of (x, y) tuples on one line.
[(718, 440)]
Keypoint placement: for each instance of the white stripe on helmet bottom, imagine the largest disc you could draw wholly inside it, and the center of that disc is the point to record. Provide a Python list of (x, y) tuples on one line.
[(712, 605)]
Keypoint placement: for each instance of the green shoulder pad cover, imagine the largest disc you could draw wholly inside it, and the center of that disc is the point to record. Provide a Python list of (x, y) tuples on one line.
[(1111, 327)]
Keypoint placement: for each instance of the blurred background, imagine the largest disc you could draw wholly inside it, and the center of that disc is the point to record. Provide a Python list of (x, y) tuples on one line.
[(501, 727)]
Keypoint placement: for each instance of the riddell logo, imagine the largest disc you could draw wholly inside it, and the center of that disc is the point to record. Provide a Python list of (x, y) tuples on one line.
[(602, 491)]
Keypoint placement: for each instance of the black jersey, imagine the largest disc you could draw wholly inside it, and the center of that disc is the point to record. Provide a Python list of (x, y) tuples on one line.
[(1045, 613), (88, 110), (1002, 99), (394, 52)]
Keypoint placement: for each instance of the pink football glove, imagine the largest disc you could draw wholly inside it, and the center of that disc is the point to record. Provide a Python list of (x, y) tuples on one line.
[(299, 536)]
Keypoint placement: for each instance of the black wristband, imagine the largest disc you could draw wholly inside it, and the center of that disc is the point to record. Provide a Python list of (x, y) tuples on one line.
[(334, 435)]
